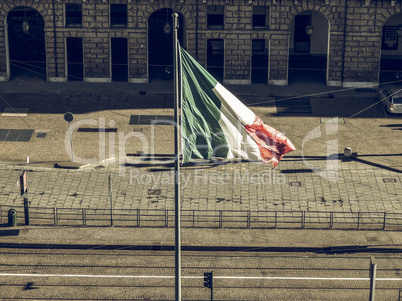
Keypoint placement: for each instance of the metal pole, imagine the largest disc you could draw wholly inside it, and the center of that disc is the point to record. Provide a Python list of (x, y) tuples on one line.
[(373, 274), (111, 200), (26, 211), (71, 141), (24, 187), (176, 162), (84, 217), (212, 286)]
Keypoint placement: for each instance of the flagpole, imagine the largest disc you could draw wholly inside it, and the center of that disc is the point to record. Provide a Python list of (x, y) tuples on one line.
[(176, 162)]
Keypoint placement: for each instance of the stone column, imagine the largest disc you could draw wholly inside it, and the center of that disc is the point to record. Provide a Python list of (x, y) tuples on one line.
[(362, 45), (278, 59), (96, 42), (336, 43), (279, 45), (238, 45), (55, 42), (4, 67), (137, 43), (138, 57)]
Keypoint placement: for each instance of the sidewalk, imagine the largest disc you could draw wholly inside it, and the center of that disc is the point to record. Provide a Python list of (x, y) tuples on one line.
[(254, 240), (313, 178)]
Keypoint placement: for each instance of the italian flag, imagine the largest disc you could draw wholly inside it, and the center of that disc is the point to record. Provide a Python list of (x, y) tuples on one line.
[(216, 124)]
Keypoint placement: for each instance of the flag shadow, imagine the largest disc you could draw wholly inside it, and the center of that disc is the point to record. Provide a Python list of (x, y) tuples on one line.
[(166, 163)]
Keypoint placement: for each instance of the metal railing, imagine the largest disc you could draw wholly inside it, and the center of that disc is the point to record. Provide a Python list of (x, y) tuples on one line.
[(206, 218)]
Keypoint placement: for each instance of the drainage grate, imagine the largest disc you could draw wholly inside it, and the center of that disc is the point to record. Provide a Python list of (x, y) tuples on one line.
[(15, 135), (295, 184), (40, 135), (154, 191), (389, 180), (151, 119), (96, 130)]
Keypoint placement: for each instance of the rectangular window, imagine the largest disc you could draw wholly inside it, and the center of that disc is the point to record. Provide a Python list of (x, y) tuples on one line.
[(118, 16), (73, 15), (75, 59), (215, 58), (215, 16), (259, 62), (261, 17), (119, 55)]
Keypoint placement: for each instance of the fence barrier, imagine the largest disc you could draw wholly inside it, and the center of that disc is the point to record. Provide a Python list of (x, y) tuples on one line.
[(206, 218)]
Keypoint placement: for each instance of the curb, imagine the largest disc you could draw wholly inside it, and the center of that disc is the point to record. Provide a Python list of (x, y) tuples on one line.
[(188, 248)]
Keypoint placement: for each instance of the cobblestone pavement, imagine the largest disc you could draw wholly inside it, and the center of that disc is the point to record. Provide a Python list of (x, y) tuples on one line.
[(231, 186), (316, 177)]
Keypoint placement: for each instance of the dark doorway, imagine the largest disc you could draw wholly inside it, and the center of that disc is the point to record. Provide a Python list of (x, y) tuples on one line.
[(215, 58), (75, 59), (119, 59), (26, 43), (308, 51), (259, 62), (160, 43), (391, 51)]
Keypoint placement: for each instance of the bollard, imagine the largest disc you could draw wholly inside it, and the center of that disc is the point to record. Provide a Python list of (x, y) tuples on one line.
[(12, 218)]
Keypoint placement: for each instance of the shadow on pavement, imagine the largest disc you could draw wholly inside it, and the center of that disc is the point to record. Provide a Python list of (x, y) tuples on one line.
[(79, 103), (12, 232), (396, 127), (389, 168)]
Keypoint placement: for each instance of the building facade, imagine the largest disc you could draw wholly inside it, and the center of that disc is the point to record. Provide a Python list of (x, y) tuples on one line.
[(346, 43)]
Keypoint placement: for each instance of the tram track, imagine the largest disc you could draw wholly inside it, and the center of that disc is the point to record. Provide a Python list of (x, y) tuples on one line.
[(126, 275)]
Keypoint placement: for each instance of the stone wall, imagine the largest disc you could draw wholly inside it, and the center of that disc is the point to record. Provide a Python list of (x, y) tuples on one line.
[(355, 33)]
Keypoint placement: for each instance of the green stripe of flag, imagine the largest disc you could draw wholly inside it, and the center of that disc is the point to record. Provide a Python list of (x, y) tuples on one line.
[(202, 135)]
